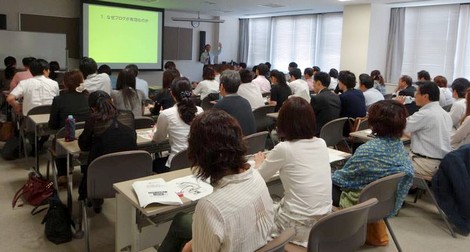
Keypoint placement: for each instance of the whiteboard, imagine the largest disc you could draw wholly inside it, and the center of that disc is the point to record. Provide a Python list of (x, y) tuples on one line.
[(20, 44)]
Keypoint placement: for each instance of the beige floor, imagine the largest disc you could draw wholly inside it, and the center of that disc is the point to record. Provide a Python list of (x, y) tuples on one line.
[(418, 226)]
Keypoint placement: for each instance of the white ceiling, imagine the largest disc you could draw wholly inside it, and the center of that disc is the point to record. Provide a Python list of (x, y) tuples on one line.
[(252, 8)]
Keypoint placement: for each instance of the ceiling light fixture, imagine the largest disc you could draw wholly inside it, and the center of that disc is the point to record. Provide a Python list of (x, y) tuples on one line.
[(195, 22)]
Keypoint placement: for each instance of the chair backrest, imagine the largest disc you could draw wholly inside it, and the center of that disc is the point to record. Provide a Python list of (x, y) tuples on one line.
[(255, 142), (262, 121), (332, 132), (388, 96), (144, 122), (385, 191), (344, 230), (277, 244), (180, 161), (196, 99), (206, 102), (111, 168), (360, 123)]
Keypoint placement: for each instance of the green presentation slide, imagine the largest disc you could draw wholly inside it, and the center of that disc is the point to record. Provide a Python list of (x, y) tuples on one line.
[(118, 35)]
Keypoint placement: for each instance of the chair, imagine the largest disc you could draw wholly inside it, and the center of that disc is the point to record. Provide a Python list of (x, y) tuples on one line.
[(344, 230), (422, 183), (112, 168), (206, 102), (278, 243), (385, 191), (180, 161), (196, 99), (144, 122), (53, 152), (388, 96), (28, 127), (262, 121), (255, 142), (447, 107), (332, 132)]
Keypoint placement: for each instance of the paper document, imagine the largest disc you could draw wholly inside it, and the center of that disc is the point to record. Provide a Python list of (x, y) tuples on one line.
[(155, 191), (145, 134), (191, 187)]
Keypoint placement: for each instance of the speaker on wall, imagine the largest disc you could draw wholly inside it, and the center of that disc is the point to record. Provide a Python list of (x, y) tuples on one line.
[(202, 41), (3, 22)]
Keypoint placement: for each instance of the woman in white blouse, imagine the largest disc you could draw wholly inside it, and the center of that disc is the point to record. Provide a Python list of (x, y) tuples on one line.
[(208, 85), (462, 135), (238, 215), (173, 123), (304, 168)]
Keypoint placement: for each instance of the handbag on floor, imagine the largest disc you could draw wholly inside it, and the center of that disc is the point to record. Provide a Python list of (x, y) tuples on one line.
[(58, 222), (36, 191), (377, 234)]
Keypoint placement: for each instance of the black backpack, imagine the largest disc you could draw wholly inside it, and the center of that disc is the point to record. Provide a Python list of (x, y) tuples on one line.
[(58, 221)]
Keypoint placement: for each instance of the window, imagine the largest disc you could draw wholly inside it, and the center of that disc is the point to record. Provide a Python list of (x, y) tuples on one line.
[(307, 40)]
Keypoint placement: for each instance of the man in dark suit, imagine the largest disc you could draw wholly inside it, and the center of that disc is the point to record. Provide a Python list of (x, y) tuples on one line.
[(326, 104), (405, 88), (235, 105)]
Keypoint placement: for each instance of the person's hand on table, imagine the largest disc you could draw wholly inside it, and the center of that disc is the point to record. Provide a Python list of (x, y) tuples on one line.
[(259, 159)]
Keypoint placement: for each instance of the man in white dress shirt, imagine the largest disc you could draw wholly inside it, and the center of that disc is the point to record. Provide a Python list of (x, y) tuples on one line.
[(208, 56), (298, 86), (260, 80), (249, 90), (371, 94), (457, 111), (93, 80), (430, 129), (140, 84)]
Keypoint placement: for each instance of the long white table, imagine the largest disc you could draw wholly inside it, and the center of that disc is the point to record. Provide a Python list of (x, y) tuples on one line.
[(129, 212)]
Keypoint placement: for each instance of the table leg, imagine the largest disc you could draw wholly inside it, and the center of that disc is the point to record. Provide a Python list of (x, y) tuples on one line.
[(69, 182), (36, 147), (127, 232)]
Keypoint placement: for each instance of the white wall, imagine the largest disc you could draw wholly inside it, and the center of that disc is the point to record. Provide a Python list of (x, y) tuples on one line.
[(378, 37), (355, 38)]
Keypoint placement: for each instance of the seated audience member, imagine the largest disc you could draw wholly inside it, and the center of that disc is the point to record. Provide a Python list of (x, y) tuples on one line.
[(140, 84), (308, 75), (169, 65), (249, 90), (261, 71), (93, 80), (164, 100), (304, 168), (242, 65), (430, 129), (292, 66), (334, 79), (173, 123), (209, 85), (35, 91), (72, 101), (126, 97), (234, 104), (457, 111), (326, 104), (238, 215), (445, 96), (353, 103), (107, 70), (462, 135), (7, 74), (379, 82), (22, 75), (405, 88), (298, 86), (371, 94), (380, 157), (108, 130), (316, 69), (280, 91), (54, 73), (423, 76)]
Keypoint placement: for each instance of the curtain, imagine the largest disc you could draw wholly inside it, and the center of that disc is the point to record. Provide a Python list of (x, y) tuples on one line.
[(395, 45), (462, 51), (243, 44)]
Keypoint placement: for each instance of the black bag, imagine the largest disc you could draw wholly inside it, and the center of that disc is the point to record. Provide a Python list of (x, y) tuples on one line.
[(11, 149), (58, 221)]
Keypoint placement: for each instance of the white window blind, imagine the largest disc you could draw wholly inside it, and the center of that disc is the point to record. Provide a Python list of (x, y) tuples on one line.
[(430, 40), (307, 40)]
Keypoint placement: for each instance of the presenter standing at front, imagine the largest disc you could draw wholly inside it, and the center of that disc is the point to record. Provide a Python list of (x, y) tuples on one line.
[(207, 57)]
